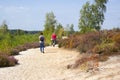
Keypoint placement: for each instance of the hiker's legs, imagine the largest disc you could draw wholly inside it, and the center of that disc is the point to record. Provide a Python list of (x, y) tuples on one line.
[(53, 42), (42, 47)]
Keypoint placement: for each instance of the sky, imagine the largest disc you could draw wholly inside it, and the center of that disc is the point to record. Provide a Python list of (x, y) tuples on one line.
[(30, 14)]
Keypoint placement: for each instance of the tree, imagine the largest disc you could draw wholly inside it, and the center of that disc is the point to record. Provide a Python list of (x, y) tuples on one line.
[(59, 30), (72, 29), (4, 27), (49, 26), (50, 22), (69, 29), (99, 8), (92, 16), (58, 27), (101, 5)]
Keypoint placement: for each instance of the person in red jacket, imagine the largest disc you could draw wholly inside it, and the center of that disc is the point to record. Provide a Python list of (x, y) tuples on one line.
[(53, 38)]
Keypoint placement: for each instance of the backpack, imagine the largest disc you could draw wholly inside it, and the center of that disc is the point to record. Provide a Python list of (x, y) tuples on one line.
[(41, 38)]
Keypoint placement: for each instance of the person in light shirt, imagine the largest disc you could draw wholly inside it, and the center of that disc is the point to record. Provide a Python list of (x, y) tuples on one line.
[(41, 41)]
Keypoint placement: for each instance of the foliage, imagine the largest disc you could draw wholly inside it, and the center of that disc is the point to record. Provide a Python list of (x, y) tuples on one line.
[(3, 27), (92, 16), (69, 29), (49, 26), (9, 41), (59, 31)]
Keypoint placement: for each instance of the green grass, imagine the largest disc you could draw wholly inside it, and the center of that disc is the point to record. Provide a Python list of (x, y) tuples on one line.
[(9, 41)]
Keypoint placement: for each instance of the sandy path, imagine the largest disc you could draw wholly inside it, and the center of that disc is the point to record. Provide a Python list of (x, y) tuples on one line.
[(34, 65)]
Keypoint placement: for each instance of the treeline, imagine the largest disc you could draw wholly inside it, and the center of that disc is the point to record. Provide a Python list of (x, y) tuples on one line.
[(18, 31)]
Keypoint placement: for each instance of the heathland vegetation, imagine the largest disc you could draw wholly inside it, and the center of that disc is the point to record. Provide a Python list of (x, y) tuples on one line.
[(104, 42), (90, 39), (14, 41)]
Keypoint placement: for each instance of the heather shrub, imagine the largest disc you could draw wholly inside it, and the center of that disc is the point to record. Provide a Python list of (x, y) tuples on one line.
[(12, 61), (88, 41), (74, 41), (27, 46), (14, 52), (63, 43), (6, 60), (86, 62), (31, 45), (20, 48), (103, 58), (106, 49), (35, 44), (105, 42), (70, 42), (116, 38), (82, 42)]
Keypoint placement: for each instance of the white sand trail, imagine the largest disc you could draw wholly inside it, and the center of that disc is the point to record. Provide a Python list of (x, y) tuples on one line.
[(34, 65)]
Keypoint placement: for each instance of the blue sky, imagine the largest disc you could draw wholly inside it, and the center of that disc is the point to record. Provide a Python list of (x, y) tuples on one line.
[(30, 14)]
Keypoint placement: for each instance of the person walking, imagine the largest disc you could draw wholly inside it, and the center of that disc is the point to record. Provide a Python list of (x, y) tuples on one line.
[(41, 40), (53, 38)]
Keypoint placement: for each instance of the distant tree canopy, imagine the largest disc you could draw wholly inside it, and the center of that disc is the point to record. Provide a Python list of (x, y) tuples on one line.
[(49, 26), (69, 29), (4, 27), (92, 16), (50, 22), (59, 31)]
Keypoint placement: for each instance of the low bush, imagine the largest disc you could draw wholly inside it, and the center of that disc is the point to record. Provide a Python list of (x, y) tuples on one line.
[(6, 61), (82, 42), (86, 62), (14, 52)]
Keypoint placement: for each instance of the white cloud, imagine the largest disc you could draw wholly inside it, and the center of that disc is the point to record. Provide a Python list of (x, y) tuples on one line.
[(15, 9)]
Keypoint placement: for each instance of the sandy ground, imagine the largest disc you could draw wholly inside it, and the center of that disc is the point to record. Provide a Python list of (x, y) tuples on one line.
[(34, 65)]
